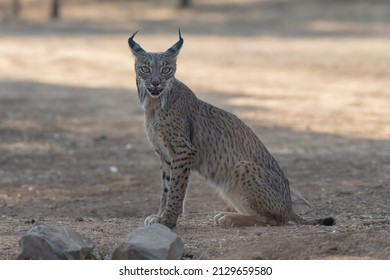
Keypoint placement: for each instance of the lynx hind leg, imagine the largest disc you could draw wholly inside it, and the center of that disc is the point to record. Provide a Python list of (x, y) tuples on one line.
[(257, 196)]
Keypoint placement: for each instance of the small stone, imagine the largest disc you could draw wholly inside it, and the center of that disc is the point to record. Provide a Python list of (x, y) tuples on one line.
[(128, 146), (113, 169), (30, 221), (100, 138), (47, 242), (153, 242)]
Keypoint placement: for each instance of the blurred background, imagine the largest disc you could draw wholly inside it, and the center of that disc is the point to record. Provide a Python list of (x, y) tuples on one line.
[(298, 47), (311, 77)]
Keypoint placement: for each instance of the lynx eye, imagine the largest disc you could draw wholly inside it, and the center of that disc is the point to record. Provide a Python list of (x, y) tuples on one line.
[(166, 70), (145, 69)]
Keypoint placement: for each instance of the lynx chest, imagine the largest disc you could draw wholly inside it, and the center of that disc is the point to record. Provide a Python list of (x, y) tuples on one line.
[(155, 133)]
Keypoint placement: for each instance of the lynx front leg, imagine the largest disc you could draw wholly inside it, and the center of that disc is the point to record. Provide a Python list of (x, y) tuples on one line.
[(174, 187), (165, 179)]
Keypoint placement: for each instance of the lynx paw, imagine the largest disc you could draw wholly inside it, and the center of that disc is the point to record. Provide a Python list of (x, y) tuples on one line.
[(223, 219), (229, 219), (154, 219)]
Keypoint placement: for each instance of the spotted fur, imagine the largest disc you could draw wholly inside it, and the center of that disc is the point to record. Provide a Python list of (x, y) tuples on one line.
[(191, 135)]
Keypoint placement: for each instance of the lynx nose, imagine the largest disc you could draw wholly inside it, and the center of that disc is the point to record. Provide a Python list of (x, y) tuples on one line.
[(156, 82)]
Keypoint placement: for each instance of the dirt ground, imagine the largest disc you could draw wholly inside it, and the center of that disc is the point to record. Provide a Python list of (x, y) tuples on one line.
[(311, 78)]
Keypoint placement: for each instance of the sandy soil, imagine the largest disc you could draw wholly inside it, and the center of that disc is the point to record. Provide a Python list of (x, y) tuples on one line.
[(311, 78)]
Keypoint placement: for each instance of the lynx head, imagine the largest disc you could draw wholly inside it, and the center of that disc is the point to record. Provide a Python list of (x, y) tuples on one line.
[(155, 72)]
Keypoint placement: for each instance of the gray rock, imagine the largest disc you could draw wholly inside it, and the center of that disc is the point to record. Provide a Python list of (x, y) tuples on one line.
[(154, 242), (47, 242)]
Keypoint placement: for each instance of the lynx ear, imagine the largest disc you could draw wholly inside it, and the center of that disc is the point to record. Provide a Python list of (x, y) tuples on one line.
[(175, 49), (135, 48)]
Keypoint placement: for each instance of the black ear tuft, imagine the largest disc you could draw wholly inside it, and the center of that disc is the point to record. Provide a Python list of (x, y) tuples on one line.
[(329, 221), (175, 49), (180, 38), (135, 48)]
